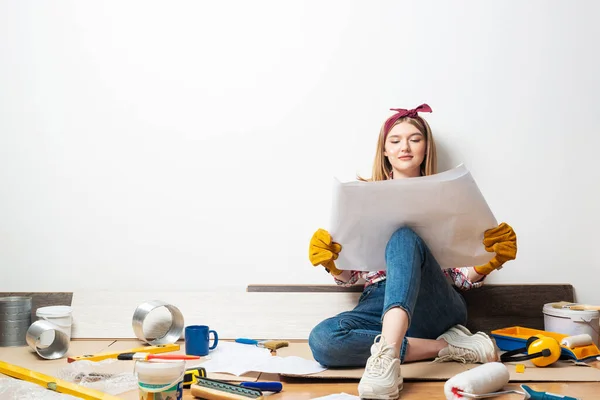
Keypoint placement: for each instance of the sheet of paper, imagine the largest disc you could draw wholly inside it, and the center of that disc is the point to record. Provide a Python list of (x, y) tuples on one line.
[(290, 365), (446, 210), (237, 359), (337, 396)]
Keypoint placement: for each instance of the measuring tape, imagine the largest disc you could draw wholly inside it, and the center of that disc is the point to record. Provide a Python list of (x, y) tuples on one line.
[(191, 376)]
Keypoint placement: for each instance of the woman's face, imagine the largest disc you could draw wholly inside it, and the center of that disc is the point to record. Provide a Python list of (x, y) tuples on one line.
[(405, 150)]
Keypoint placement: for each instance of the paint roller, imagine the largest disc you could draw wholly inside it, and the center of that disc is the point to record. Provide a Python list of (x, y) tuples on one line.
[(576, 341), (486, 381), (483, 379)]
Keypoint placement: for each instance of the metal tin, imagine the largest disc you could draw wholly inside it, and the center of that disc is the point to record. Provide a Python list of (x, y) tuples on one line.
[(173, 333), (15, 318), (56, 349)]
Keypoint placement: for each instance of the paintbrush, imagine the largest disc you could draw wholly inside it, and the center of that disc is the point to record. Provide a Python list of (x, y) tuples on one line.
[(575, 306), (268, 344), (149, 356)]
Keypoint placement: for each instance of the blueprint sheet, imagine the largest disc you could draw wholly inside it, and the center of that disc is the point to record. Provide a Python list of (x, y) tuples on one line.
[(446, 210)]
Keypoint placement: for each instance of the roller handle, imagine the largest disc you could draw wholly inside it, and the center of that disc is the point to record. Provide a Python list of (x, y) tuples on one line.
[(264, 386), (533, 395), (246, 341)]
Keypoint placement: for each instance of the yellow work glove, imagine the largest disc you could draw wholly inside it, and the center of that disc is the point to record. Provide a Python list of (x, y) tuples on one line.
[(501, 240), (323, 250)]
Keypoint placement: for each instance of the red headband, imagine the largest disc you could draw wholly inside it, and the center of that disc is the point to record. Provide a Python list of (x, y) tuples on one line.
[(401, 113)]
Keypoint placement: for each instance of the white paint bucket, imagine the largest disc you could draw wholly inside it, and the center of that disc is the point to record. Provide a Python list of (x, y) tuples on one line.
[(59, 316), (572, 322), (165, 378)]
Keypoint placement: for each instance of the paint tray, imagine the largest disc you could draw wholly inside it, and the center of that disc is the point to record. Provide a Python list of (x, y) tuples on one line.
[(516, 337)]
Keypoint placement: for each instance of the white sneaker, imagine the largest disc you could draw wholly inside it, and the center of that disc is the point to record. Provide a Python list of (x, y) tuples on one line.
[(381, 379), (466, 347)]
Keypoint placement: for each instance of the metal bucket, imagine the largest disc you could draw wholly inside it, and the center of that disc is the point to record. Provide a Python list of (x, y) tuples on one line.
[(15, 319)]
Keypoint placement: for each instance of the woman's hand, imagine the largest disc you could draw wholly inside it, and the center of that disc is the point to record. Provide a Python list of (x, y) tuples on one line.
[(323, 250), (501, 240)]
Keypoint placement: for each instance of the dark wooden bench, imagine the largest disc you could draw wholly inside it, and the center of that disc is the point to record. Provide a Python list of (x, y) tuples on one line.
[(494, 306)]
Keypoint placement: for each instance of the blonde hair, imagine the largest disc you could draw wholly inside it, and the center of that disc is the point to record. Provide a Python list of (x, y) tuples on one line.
[(382, 169)]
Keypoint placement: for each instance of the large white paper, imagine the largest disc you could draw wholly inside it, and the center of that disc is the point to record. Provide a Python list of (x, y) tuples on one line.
[(446, 210), (338, 396), (237, 359)]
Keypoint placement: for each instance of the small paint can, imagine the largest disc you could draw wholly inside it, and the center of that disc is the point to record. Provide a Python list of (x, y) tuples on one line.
[(57, 315), (165, 378)]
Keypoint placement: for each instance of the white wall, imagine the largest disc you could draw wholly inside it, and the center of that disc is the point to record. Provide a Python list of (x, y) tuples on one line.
[(186, 145)]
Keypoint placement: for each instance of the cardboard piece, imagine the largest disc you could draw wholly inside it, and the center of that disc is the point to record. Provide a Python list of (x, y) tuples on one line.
[(26, 357), (428, 371)]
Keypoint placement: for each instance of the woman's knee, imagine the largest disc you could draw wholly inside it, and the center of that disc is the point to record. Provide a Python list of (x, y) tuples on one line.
[(329, 345), (403, 237), (321, 343)]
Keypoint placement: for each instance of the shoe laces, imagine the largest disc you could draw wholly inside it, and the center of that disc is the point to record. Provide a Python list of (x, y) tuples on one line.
[(379, 362), (460, 354)]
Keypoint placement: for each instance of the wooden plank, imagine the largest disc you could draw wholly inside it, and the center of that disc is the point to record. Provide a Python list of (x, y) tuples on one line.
[(305, 288), (231, 313)]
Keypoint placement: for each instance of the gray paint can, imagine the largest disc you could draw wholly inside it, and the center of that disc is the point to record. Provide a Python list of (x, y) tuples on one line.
[(15, 319)]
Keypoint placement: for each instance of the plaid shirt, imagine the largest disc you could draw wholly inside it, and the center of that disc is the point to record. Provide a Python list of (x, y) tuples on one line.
[(456, 276)]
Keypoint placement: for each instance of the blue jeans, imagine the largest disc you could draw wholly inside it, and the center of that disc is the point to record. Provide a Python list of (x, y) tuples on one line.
[(415, 283)]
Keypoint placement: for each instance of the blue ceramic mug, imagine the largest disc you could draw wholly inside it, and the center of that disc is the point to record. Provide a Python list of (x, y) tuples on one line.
[(197, 338)]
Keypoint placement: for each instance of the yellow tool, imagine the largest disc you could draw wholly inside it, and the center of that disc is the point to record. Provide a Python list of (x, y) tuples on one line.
[(160, 348), (516, 336), (191, 376), (52, 383)]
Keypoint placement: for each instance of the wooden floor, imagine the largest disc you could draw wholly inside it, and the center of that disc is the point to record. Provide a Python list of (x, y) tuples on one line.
[(304, 389), (480, 319), (423, 390)]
